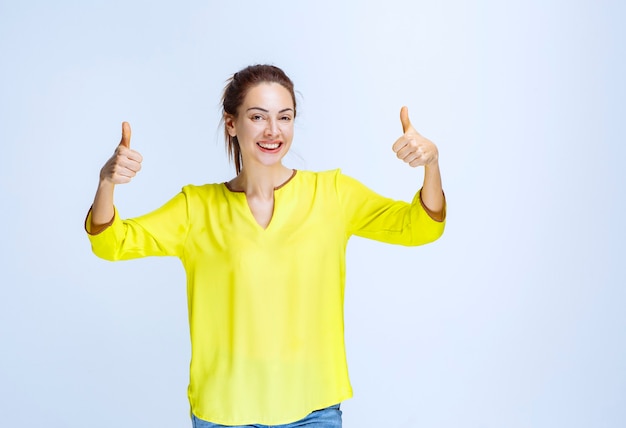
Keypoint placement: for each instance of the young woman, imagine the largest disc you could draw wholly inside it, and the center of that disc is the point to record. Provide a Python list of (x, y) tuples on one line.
[(265, 258)]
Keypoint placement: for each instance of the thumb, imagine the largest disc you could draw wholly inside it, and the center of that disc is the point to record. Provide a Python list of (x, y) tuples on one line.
[(404, 118), (125, 135)]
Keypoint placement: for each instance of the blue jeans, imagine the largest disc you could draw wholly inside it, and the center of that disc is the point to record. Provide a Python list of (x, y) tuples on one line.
[(329, 417)]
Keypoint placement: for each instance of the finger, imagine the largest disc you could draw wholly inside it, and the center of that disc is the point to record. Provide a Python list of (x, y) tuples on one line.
[(127, 163), (413, 158), (407, 151), (131, 166), (125, 135), (124, 151), (124, 171), (127, 172), (400, 144), (404, 119), (420, 161), (415, 163), (133, 155)]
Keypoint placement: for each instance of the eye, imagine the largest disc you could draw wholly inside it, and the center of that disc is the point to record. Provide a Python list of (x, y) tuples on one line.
[(286, 118), (256, 117)]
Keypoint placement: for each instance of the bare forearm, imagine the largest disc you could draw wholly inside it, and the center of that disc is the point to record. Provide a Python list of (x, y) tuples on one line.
[(102, 209), (432, 191)]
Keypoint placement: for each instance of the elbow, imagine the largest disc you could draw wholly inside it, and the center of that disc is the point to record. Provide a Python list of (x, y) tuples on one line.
[(104, 255), (428, 236), (105, 252)]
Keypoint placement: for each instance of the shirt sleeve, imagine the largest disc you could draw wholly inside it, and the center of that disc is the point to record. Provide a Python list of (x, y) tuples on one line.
[(370, 215), (160, 233)]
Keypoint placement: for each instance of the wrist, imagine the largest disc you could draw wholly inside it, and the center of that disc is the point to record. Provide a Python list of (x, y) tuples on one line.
[(432, 165), (105, 184)]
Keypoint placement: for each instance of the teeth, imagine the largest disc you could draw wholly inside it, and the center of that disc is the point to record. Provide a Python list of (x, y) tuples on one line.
[(269, 146)]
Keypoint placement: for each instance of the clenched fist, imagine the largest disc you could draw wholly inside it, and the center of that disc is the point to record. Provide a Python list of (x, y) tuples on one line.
[(411, 147), (125, 162)]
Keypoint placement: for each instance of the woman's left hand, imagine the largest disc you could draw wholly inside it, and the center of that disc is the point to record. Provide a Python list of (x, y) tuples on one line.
[(412, 147)]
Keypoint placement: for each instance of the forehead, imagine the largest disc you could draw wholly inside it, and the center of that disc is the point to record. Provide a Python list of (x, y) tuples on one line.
[(268, 95)]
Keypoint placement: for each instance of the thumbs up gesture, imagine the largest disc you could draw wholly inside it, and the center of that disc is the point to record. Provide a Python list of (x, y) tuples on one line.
[(125, 162), (411, 147)]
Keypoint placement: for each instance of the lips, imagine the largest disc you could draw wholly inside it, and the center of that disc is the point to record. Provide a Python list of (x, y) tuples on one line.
[(269, 147)]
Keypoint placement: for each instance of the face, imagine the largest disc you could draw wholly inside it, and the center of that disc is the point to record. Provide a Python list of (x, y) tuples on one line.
[(264, 125)]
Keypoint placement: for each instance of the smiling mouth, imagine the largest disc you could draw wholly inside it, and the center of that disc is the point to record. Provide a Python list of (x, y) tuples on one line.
[(270, 147)]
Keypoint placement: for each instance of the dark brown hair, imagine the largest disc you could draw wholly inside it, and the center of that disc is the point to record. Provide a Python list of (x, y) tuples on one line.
[(235, 91)]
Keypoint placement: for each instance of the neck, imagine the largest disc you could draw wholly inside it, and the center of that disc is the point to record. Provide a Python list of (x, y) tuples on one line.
[(261, 181)]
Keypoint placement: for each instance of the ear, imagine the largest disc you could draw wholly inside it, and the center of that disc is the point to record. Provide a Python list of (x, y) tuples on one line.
[(229, 121)]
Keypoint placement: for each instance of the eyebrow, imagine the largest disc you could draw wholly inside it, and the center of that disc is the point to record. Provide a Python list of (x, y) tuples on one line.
[(267, 111)]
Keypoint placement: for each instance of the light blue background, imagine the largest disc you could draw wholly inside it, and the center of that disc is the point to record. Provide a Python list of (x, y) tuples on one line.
[(515, 318)]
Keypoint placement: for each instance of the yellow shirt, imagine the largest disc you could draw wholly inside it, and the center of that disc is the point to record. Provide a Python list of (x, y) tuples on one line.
[(266, 305)]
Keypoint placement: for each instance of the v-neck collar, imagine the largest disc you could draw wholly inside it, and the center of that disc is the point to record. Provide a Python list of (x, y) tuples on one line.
[(280, 186), (248, 210)]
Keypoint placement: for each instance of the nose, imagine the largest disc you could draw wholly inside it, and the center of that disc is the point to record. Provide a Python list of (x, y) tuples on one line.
[(272, 130)]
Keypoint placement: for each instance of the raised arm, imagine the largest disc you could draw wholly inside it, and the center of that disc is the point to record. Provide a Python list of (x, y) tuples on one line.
[(416, 150), (119, 169)]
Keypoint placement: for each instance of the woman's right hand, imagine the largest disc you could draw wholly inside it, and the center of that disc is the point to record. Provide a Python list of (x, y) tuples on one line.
[(125, 162), (119, 169)]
